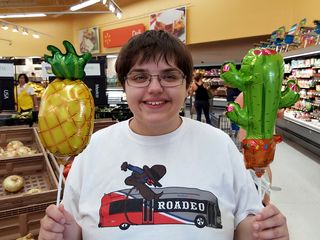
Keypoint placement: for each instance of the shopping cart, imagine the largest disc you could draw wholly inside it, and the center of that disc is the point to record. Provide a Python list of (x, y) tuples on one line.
[(225, 125)]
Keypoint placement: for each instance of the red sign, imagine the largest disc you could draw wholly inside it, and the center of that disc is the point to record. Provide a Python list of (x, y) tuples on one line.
[(119, 36)]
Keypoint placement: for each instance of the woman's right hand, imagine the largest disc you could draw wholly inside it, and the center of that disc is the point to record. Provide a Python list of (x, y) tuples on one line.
[(58, 224)]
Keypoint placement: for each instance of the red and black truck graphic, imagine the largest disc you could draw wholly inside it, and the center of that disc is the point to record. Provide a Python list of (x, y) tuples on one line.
[(177, 205)]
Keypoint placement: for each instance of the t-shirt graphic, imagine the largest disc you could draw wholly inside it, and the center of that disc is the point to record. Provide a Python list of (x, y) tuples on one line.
[(147, 202)]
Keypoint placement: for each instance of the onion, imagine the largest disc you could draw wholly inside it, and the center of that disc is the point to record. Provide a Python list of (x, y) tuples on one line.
[(24, 150), (34, 190), (10, 154), (13, 145), (13, 183)]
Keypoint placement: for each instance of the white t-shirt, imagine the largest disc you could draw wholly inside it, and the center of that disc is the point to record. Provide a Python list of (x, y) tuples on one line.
[(26, 87), (200, 189)]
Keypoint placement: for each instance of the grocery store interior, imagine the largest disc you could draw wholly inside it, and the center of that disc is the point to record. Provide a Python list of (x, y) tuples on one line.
[(215, 32)]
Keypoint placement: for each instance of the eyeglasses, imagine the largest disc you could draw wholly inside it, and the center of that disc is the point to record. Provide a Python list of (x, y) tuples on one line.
[(166, 79)]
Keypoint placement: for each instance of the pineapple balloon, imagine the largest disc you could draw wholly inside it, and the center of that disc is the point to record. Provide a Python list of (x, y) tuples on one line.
[(66, 113)]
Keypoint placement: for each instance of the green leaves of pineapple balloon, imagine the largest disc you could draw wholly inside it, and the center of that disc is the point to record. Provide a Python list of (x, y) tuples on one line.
[(69, 65)]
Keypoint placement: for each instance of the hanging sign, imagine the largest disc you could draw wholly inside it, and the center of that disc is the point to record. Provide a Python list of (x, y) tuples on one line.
[(6, 70), (171, 20), (119, 36), (92, 69)]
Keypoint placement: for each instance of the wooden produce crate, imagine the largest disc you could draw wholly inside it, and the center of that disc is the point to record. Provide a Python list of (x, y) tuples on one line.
[(21, 212), (18, 222), (37, 173), (27, 135), (102, 123)]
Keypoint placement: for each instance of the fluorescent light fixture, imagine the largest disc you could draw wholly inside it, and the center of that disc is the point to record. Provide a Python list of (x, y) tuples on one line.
[(5, 26), (119, 14), (83, 5), (36, 35), (26, 15), (15, 29)]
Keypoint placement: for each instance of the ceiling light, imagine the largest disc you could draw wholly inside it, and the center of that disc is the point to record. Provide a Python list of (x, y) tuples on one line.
[(83, 5), (25, 32), (23, 15), (15, 29), (5, 26), (36, 35), (119, 14), (112, 8)]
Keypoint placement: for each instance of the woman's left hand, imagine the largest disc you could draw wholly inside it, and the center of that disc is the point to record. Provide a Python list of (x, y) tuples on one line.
[(270, 223)]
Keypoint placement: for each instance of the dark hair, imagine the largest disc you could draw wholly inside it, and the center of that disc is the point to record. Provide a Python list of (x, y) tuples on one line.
[(154, 45), (26, 79), (198, 76)]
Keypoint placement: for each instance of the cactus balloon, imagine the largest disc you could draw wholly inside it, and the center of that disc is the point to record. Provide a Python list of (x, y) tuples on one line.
[(260, 79)]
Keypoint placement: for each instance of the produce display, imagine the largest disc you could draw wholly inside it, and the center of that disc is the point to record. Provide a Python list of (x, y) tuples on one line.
[(66, 112), (13, 183), (38, 88), (260, 80), (22, 115), (16, 149)]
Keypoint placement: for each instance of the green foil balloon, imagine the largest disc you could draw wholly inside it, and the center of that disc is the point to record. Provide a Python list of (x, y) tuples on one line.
[(260, 80)]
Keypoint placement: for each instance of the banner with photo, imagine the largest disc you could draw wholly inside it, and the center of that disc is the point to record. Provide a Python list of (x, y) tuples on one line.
[(89, 40), (171, 20)]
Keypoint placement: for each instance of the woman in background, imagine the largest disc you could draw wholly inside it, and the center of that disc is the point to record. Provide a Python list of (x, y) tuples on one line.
[(201, 97), (26, 99)]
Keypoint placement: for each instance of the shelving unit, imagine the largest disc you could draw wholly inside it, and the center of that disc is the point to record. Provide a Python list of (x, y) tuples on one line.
[(301, 123)]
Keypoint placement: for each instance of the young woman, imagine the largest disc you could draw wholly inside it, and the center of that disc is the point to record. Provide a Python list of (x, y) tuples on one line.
[(201, 101), (144, 178)]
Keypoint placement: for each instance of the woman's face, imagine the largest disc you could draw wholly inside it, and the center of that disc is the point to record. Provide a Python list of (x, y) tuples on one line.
[(22, 80), (155, 108)]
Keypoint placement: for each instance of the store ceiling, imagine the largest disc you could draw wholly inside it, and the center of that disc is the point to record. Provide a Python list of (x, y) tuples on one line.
[(55, 7)]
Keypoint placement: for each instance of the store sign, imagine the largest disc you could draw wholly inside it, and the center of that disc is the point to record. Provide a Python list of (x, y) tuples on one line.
[(92, 69), (6, 70), (46, 70), (97, 86), (6, 93), (119, 36)]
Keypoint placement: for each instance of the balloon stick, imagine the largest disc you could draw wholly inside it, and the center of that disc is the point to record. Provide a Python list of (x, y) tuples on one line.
[(260, 187), (61, 168)]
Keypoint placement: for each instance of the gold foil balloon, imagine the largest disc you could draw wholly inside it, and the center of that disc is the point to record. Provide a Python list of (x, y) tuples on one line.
[(66, 113)]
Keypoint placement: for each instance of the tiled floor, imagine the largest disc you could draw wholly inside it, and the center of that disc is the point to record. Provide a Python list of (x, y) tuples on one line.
[(296, 189), (297, 173)]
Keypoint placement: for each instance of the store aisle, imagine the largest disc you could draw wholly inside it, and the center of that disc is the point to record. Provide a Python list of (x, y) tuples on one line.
[(296, 189)]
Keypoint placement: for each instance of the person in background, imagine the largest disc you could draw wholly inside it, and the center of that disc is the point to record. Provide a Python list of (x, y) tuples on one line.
[(201, 97), (26, 99), (232, 94), (165, 153)]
